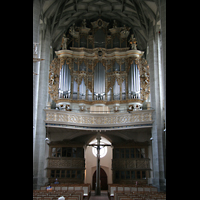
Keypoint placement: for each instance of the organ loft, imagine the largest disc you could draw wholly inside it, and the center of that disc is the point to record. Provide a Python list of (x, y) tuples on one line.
[(99, 65)]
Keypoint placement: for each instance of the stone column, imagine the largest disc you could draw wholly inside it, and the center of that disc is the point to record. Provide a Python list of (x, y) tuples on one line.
[(158, 179), (163, 53), (163, 65), (36, 66), (39, 164)]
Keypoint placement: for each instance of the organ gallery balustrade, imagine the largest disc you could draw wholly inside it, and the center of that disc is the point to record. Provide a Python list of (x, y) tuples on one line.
[(87, 120)]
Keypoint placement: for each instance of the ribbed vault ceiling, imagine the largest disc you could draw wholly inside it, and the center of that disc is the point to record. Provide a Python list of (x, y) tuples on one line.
[(59, 15)]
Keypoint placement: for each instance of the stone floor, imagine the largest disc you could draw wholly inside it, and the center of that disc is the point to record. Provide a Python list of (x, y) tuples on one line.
[(104, 195)]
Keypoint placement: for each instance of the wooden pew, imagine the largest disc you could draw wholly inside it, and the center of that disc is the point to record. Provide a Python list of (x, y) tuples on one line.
[(87, 191), (71, 187), (111, 189), (143, 193), (55, 194), (129, 188)]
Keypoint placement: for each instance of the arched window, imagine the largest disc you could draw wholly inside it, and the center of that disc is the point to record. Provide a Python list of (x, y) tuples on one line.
[(103, 150)]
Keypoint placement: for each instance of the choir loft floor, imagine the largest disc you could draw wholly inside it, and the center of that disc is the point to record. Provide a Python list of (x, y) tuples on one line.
[(104, 195)]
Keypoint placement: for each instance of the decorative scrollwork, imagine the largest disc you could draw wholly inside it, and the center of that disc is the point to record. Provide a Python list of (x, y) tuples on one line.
[(72, 117), (144, 79), (110, 83), (54, 78)]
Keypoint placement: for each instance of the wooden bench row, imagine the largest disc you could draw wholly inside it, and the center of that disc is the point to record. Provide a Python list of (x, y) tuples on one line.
[(139, 195), (71, 187), (54, 198), (129, 188), (51, 195)]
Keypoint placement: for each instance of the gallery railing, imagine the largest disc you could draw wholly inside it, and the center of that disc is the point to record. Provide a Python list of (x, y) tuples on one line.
[(99, 120)]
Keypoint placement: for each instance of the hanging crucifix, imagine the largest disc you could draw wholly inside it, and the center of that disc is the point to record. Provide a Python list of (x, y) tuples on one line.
[(98, 146)]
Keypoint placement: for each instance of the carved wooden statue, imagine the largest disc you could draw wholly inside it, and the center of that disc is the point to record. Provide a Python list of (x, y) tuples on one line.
[(64, 42), (133, 42)]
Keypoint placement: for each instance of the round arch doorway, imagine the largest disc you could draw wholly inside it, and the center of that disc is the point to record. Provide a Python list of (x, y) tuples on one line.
[(103, 179)]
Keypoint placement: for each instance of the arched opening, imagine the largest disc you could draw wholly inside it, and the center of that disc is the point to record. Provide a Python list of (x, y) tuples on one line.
[(105, 162), (103, 180)]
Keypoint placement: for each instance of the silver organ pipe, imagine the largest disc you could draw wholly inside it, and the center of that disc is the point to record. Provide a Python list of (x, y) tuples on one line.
[(99, 83), (134, 81), (82, 89), (116, 90), (64, 82), (99, 79)]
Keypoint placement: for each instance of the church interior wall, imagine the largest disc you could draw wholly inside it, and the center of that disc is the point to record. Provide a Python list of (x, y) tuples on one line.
[(156, 99)]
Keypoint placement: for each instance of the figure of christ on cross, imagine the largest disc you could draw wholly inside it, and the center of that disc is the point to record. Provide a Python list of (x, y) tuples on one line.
[(98, 146)]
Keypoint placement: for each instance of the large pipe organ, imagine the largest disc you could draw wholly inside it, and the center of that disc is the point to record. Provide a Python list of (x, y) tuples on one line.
[(99, 69)]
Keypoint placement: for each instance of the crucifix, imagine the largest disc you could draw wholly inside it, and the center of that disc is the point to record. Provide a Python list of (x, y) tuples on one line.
[(98, 146)]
